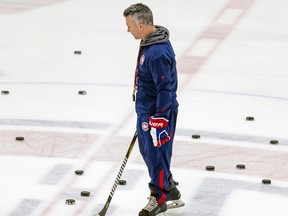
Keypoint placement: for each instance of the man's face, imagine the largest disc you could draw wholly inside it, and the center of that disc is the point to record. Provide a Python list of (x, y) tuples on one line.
[(134, 28)]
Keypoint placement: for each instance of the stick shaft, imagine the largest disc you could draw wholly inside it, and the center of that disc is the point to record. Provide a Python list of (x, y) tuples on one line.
[(113, 189)]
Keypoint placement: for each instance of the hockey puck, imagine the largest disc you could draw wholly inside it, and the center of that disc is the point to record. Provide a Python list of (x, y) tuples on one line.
[(210, 168), (79, 172), (4, 92), (70, 202), (77, 52), (240, 166), (195, 136), (19, 138), (249, 118), (266, 181), (122, 182), (274, 142), (85, 193), (82, 92)]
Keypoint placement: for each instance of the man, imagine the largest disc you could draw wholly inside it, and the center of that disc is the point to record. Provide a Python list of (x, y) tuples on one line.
[(155, 86)]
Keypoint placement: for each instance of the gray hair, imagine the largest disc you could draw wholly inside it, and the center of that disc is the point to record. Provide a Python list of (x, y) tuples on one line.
[(140, 13)]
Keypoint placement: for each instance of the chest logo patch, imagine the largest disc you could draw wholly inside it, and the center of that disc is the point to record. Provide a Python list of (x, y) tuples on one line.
[(142, 59)]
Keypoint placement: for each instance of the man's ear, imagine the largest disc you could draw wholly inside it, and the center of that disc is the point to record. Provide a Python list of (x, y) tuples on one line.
[(141, 26)]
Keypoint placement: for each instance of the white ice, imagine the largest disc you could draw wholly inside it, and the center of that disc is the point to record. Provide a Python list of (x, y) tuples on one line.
[(244, 74)]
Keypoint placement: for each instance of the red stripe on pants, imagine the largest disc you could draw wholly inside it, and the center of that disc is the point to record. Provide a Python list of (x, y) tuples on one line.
[(161, 186)]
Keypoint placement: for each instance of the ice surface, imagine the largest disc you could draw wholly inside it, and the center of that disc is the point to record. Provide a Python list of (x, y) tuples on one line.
[(232, 63)]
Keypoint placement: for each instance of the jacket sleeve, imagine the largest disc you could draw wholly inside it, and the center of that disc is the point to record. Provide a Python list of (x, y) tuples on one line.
[(161, 74)]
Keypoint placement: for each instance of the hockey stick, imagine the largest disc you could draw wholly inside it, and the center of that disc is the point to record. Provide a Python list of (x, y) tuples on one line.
[(106, 206)]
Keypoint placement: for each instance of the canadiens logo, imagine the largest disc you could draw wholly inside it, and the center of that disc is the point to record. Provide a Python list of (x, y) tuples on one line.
[(145, 126), (142, 59)]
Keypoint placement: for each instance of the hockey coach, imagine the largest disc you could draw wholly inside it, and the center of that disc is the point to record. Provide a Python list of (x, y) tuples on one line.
[(155, 86)]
